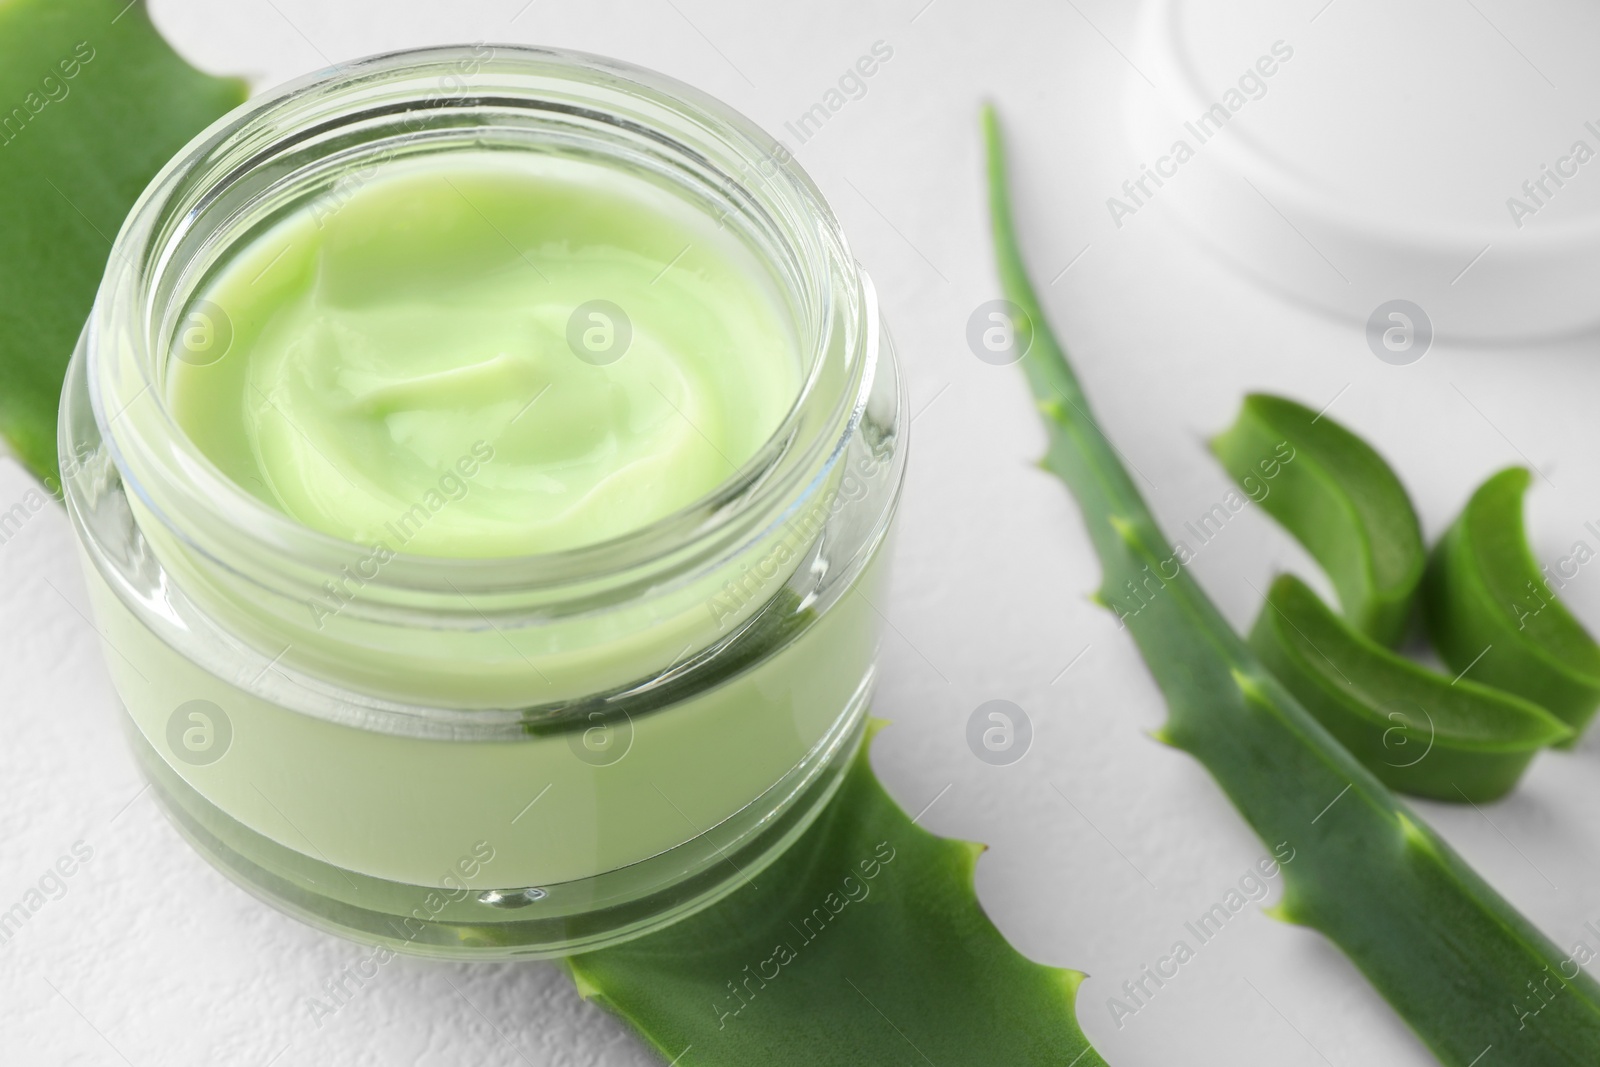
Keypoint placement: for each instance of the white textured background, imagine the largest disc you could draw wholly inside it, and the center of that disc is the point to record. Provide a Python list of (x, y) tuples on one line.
[(1103, 842)]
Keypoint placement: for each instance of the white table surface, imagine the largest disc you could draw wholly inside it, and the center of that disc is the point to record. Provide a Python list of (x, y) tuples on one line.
[(1103, 842)]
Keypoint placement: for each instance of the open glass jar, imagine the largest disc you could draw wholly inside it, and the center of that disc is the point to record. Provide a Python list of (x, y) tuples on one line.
[(471, 757)]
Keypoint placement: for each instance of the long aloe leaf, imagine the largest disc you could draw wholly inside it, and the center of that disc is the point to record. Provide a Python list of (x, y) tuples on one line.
[(1475, 980), (862, 944), (92, 103)]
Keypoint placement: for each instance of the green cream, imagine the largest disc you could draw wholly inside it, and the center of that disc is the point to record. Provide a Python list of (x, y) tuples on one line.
[(397, 365), (406, 809), (417, 358), (482, 461)]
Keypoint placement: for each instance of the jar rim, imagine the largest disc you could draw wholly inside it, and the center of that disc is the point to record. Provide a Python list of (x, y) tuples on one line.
[(221, 520)]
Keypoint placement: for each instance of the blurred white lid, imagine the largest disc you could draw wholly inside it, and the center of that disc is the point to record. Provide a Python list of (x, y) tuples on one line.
[(1385, 154)]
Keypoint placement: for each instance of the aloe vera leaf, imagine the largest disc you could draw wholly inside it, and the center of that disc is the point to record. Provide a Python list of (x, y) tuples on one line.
[(1419, 732), (1491, 612), (1454, 959), (1339, 499), (92, 103), (916, 943), (861, 944)]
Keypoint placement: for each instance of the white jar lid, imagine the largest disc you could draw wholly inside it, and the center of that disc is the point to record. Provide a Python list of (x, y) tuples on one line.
[(1444, 152)]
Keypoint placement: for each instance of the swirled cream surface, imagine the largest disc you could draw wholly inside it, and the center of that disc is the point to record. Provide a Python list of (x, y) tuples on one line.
[(485, 357)]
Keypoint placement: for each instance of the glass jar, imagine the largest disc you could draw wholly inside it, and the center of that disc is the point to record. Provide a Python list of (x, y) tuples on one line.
[(485, 757)]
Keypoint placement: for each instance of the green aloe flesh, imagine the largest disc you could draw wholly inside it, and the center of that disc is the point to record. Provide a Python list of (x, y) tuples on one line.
[(1417, 731), (1339, 499), (861, 944), (1477, 982), (1491, 612)]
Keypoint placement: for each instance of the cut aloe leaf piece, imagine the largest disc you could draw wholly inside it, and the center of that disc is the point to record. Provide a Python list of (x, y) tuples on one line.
[(1338, 498), (1417, 731), (1459, 964), (1491, 613)]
